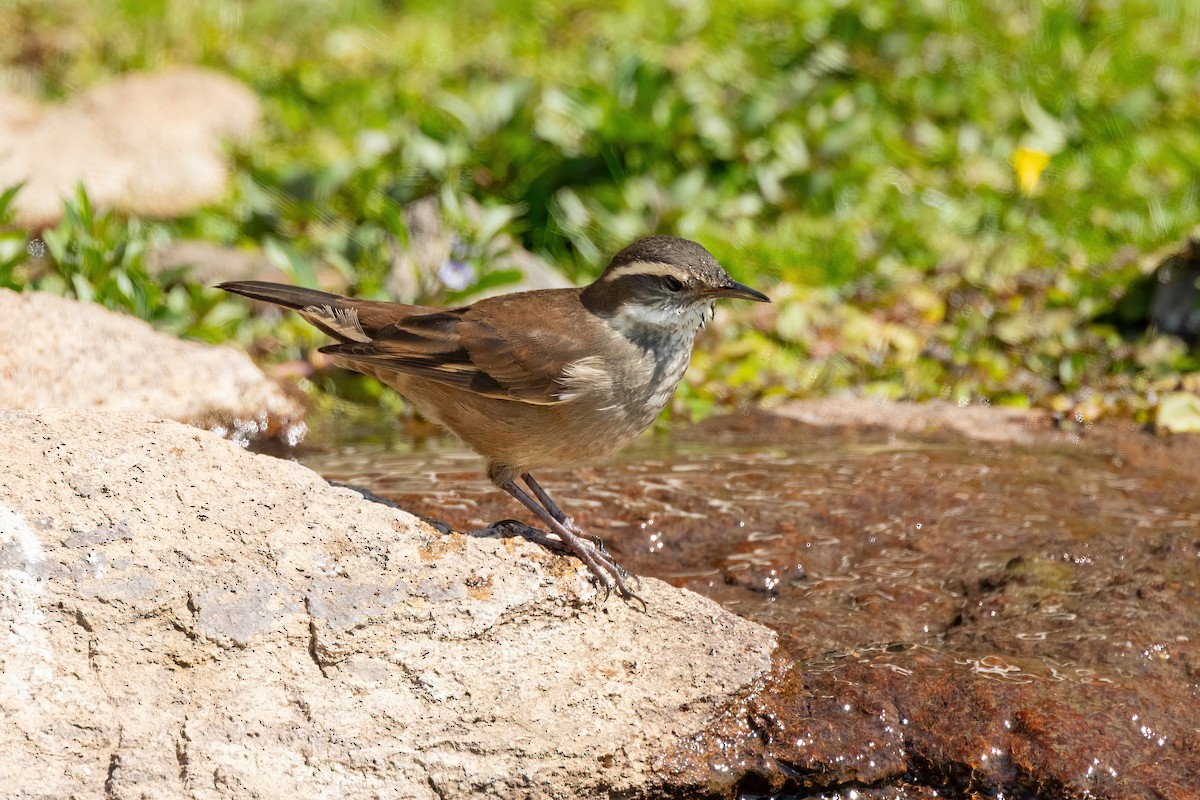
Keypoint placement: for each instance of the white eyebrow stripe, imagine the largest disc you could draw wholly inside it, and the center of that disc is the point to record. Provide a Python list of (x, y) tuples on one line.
[(656, 268)]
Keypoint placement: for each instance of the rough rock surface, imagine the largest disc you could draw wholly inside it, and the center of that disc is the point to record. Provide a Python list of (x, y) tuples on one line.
[(144, 144), (64, 353), (181, 618)]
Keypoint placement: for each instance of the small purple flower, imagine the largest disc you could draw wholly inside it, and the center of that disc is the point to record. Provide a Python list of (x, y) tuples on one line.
[(456, 275)]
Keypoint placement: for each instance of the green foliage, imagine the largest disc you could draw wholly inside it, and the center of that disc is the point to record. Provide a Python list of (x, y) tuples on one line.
[(13, 246), (946, 199), (99, 257)]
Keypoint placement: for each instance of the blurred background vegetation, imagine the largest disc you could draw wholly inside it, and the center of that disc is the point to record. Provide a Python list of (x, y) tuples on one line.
[(945, 199)]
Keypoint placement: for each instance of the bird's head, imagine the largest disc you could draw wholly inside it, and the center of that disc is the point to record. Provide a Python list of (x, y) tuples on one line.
[(663, 282)]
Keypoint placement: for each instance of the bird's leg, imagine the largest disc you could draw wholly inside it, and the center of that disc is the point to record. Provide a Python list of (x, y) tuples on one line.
[(549, 505), (557, 512), (599, 563)]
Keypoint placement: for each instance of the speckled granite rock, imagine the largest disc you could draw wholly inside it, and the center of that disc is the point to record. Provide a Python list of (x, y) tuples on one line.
[(182, 618)]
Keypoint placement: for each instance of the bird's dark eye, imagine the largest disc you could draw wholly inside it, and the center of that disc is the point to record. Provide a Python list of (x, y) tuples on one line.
[(672, 283)]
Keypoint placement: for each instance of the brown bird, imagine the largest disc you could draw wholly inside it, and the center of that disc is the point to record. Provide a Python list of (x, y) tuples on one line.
[(538, 379)]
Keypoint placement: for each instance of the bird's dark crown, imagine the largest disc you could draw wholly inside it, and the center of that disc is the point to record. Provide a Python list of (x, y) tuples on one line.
[(660, 270), (692, 259)]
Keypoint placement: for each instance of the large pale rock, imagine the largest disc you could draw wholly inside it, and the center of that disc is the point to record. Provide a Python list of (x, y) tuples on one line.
[(179, 617), (148, 144), (61, 352)]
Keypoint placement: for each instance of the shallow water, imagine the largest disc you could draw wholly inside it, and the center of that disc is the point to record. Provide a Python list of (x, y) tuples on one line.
[(956, 617), (842, 540)]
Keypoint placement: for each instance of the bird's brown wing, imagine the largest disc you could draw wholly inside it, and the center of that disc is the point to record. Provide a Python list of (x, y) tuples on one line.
[(471, 349)]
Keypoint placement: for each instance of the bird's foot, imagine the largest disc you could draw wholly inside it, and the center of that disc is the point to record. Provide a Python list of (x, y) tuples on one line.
[(614, 576), (570, 525), (514, 527), (604, 569), (607, 573), (587, 548)]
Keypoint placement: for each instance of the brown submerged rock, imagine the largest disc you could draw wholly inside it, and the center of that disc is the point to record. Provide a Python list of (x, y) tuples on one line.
[(183, 618), (1049, 609), (912, 722)]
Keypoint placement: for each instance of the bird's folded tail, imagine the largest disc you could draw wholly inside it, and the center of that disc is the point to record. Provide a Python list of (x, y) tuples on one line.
[(344, 318), (281, 294)]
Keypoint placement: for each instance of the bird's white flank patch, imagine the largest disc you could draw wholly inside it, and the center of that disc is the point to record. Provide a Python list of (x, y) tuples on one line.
[(584, 376)]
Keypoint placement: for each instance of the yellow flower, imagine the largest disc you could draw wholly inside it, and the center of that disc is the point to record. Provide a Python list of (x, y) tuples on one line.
[(1029, 164)]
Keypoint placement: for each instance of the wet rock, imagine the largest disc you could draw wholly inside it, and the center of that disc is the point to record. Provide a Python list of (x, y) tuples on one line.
[(1043, 598), (986, 423), (201, 620), (64, 353), (1165, 298), (920, 723), (147, 144), (1175, 308)]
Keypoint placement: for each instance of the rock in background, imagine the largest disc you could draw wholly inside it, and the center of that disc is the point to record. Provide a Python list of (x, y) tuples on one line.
[(210, 263), (983, 422), (144, 144), (68, 354), (433, 260)]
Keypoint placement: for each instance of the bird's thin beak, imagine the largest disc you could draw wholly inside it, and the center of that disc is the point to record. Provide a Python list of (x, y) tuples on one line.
[(738, 290)]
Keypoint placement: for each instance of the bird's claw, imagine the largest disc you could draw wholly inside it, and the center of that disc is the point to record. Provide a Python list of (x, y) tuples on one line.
[(604, 569), (611, 575)]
